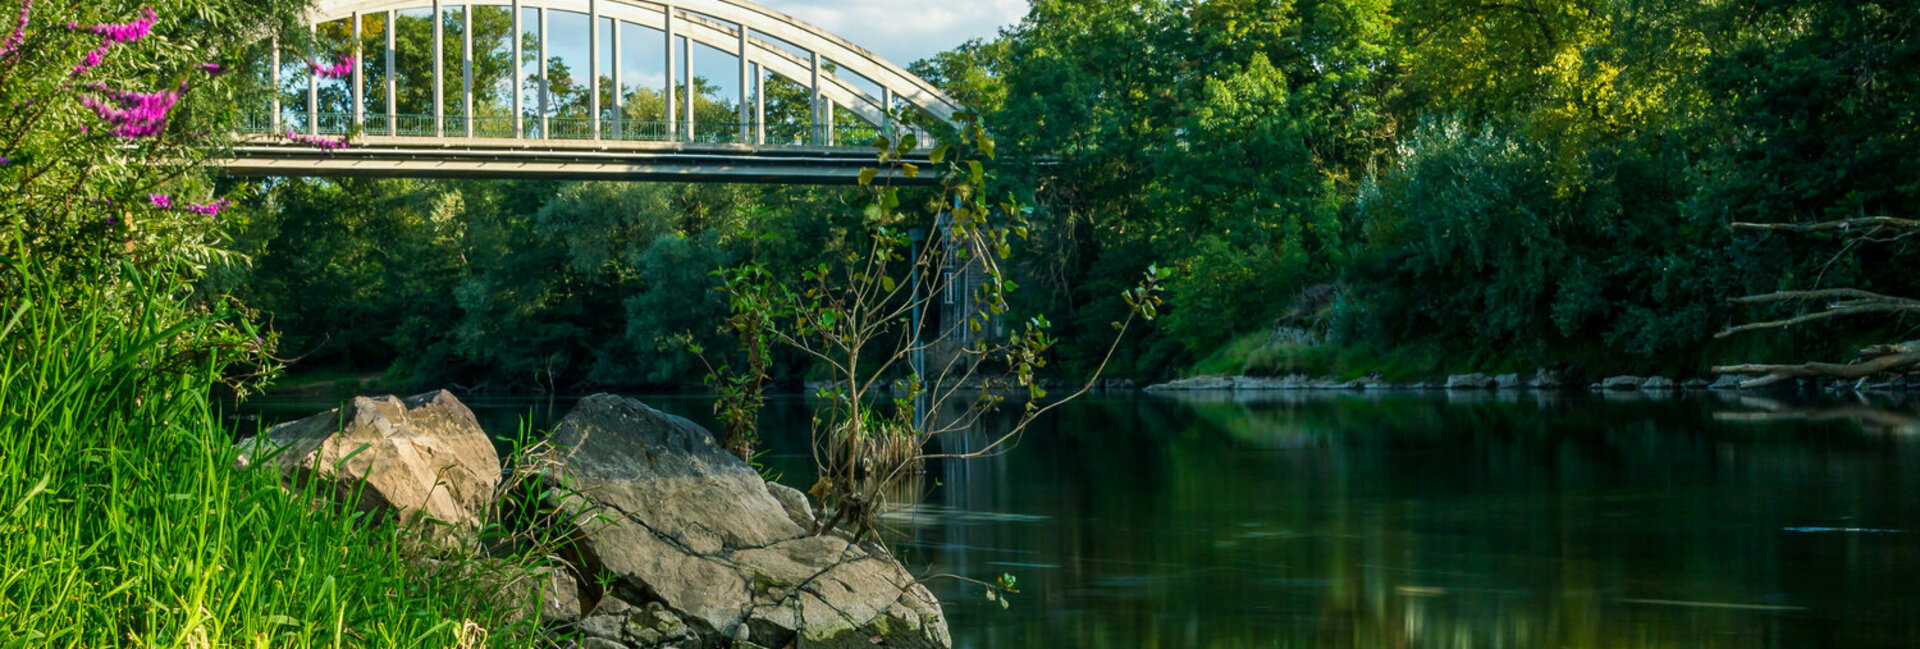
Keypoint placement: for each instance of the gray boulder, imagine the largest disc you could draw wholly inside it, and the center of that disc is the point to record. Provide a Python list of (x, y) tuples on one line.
[(1546, 379), (1727, 382), (424, 456), (1658, 384), (667, 513), (1622, 383), (1509, 382), (1470, 382), (795, 503)]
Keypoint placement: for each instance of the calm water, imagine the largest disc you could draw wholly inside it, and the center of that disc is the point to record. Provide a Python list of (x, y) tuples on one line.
[(1413, 521)]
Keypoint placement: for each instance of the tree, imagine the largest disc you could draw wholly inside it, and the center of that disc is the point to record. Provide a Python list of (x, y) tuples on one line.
[(865, 317)]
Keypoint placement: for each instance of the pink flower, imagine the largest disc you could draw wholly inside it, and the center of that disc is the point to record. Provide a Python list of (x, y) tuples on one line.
[(338, 70), (132, 114), (19, 34), (122, 33), (93, 60), (321, 143), (161, 201), (209, 209), (213, 69)]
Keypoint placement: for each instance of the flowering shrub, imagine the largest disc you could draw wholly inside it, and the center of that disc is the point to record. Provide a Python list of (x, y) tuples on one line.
[(324, 144), (108, 106), (19, 34), (338, 70)]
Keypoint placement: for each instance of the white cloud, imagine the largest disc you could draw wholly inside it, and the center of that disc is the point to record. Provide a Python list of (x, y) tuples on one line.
[(905, 31)]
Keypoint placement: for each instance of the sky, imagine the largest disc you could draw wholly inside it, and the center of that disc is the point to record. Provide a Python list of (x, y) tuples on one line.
[(904, 31)]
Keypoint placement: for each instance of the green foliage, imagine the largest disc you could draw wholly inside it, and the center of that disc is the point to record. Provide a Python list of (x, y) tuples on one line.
[(126, 522)]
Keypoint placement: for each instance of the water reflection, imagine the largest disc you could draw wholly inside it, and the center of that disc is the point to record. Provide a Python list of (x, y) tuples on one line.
[(1442, 520), (1435, 520)]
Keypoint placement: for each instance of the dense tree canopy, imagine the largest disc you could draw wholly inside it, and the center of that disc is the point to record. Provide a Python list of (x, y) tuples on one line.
[(1517, 183)]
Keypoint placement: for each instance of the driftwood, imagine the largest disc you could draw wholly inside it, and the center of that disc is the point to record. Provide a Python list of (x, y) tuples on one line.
[(1837, 303)]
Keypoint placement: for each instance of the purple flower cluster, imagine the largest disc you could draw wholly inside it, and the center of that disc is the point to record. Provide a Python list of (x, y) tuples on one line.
[(122, 33), (19, 35), (165, 202), (93, 60), (321, 143), (213, 69), (209, 209), (4, 161), (132, 114), (338, 70), (110, 34)]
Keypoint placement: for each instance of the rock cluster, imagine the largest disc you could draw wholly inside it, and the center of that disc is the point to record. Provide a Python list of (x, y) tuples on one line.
[(689, 548)]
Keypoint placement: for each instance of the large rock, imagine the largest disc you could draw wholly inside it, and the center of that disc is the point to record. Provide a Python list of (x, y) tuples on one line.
[(1470, 382), (425, 455), (676, 520), (1622, 383)]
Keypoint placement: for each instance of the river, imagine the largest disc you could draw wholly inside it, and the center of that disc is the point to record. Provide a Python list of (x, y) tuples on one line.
[(1409, 520)]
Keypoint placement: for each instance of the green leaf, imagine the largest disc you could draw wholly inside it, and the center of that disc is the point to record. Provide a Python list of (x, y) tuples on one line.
[(940, 153), (867, 175)]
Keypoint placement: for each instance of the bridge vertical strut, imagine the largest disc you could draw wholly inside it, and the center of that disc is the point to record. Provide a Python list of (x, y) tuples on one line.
[(746, 65), (274, 119), (691, 92), (760, 106), (519, 99), (593, 68), (466, 67), (671, 112), (359, 79), (393, 83), (619, 114), (439, 73), (813, 102), (313, 87), (544, 86)]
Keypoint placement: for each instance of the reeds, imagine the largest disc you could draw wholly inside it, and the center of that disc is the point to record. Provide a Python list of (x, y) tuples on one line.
[(123, 522)]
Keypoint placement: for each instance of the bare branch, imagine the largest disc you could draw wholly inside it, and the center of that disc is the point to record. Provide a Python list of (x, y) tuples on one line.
[(1866, 309), (1867, 225), (1828, 294), (1777, 373)]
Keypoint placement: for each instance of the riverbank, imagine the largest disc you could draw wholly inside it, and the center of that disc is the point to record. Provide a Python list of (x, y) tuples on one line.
[(1543, 380)]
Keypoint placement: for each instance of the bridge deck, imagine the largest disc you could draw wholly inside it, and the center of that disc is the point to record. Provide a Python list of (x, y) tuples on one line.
[(418, 157)]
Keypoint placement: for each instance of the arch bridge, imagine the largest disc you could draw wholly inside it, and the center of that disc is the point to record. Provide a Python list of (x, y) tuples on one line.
[(429, 88)]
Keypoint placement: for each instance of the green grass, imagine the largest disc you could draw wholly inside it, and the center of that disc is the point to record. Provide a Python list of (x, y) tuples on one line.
[(124, 524)]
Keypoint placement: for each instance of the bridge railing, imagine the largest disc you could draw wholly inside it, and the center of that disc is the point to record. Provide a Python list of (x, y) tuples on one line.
[(779, 134)]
